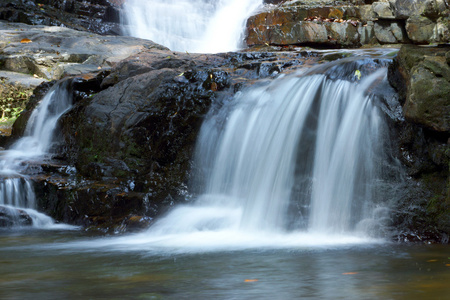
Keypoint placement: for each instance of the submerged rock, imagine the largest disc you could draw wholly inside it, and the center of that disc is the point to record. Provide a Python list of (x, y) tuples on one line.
[(10, 216)]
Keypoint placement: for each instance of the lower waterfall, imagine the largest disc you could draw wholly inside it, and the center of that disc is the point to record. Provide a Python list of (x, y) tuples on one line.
[(296, 163)]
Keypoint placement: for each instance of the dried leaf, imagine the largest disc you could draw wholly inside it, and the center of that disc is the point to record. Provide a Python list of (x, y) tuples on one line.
[(25, 41)]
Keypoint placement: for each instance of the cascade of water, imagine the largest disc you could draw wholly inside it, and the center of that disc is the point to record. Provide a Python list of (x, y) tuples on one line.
[(348, 142), (16, 191), (189, 25), (253, 148), (314, 129)]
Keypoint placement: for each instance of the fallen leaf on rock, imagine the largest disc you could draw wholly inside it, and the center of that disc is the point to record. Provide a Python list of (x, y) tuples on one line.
[(87, 76), (25, 41)]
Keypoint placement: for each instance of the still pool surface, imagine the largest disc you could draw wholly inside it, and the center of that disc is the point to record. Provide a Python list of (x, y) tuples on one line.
[(55, 265)]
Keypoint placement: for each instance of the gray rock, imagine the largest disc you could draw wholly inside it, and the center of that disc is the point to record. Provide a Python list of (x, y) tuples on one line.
[(403, 9), (24, 80), (11, 216), (383, 10), (55, 52), (389, 32), (428, 101), (420, 29)]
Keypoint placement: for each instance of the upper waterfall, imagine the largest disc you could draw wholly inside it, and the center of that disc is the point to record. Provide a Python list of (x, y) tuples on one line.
[(203, 26)]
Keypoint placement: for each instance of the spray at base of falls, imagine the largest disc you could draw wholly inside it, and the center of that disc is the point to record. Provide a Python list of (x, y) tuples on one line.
[(16, 190), (203, 26)]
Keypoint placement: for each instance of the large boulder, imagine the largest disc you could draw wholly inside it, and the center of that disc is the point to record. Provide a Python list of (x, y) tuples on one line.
[(422, 76), (51, 52)]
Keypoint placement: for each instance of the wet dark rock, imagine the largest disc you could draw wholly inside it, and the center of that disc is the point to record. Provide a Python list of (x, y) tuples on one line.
[(10, 216), (102, 17), (422, 77)]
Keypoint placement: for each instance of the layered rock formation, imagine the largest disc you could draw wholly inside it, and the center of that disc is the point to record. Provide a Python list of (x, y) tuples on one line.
[(350, 23), (102, 17)]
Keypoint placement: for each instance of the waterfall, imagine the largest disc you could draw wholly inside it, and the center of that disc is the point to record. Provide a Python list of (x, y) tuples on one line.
[(16, 189), (325, 135), (299, 162), (204, 26), (329, 131)]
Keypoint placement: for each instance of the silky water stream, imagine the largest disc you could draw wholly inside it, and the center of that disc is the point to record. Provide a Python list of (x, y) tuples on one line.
[(294, 201)]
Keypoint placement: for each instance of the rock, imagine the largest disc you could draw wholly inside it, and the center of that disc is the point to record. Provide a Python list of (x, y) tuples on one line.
[(403, 9), (101, 17), (10, 216), (422, 77), (20, 79), (390, 32), (427, 21), (420, 29), (55, 52), (383, 10), (428, 101), (286, 25)]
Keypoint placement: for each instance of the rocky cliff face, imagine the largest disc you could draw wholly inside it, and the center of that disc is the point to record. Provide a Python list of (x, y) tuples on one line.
[(350, 23)]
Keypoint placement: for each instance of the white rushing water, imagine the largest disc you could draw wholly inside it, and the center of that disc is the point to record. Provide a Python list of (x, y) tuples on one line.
[(253, 153), (16, 190), (205, 26)]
